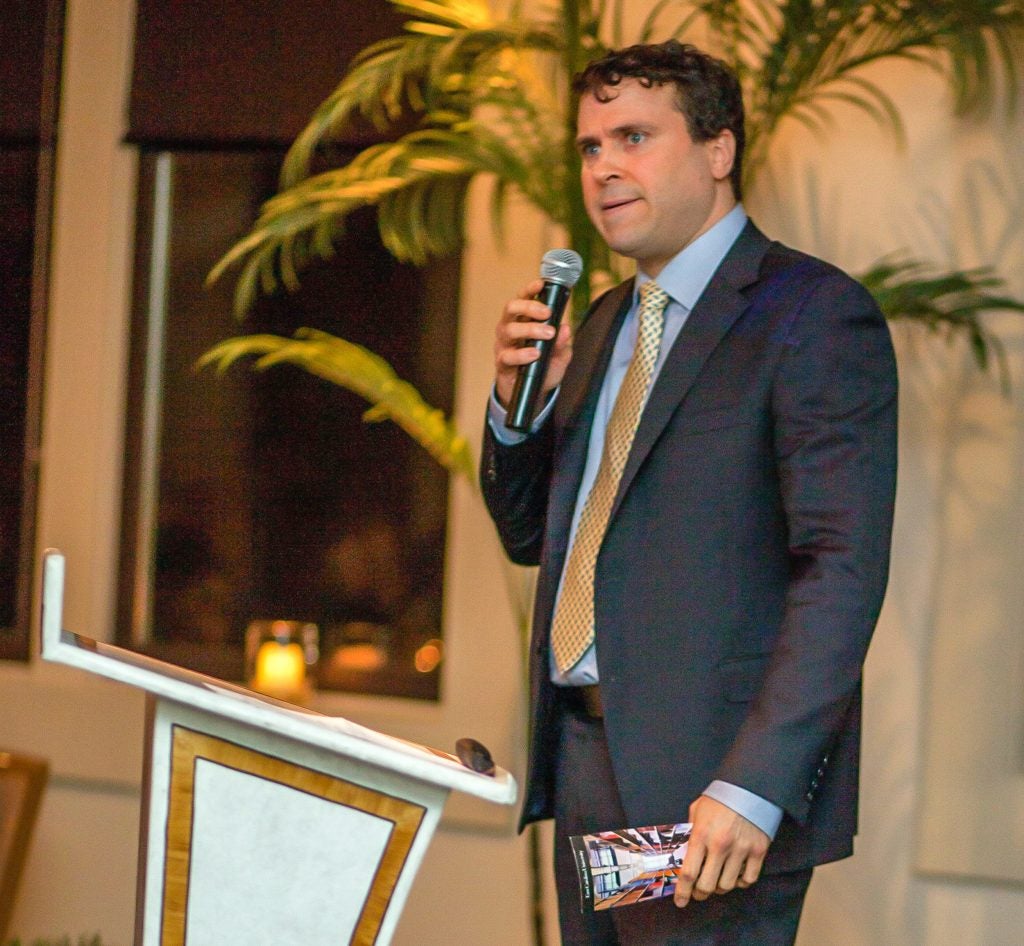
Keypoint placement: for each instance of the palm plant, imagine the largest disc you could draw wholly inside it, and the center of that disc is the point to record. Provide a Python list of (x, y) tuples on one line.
[(491, 96)]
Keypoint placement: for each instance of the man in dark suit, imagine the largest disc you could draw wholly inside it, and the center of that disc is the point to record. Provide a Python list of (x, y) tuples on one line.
[(708, 493)]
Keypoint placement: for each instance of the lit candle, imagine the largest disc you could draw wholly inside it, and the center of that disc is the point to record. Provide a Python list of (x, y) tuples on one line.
[(280, 670)]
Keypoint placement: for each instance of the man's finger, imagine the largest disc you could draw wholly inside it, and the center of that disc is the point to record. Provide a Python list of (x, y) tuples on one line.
[(522, 317), (515, 334), (731, 871), (707, 883), (688, 873), (752, 869)]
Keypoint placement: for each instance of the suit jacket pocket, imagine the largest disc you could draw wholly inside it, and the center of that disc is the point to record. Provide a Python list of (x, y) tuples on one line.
[(741, 677)]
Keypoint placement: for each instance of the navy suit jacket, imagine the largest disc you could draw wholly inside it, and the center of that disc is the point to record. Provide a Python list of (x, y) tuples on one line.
[(746, 558)]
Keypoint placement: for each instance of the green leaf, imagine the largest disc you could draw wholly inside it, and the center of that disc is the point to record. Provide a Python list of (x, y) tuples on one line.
[(492, 97), (951, 302), (361, 371), (816, 48)]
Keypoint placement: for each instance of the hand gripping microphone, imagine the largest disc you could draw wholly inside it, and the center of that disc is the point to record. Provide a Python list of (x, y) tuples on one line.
[(560, 270)]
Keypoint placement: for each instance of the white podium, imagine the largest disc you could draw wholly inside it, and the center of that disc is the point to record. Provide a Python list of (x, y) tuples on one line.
[(264, 823)]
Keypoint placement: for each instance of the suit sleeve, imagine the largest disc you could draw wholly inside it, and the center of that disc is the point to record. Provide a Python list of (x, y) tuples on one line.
[(833, 405), (515, 480)]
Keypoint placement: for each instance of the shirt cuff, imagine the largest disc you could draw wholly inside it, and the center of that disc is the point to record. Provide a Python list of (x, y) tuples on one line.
[(759, 811), (496, 417)]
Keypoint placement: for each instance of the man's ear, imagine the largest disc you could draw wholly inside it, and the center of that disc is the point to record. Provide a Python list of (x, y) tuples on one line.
[(722, 154)]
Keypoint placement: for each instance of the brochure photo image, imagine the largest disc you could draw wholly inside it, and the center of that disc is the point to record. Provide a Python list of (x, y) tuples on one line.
[(629, 865)]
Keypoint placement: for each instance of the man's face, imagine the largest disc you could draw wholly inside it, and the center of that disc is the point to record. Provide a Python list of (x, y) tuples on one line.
[(649, 188)]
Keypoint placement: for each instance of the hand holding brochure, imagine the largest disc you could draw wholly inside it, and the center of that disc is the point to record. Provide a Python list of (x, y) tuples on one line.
[(628, 865)]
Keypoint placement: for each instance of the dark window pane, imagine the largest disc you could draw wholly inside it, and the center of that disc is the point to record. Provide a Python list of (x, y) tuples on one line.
[(30, 35), (244, 72), (17, 214), (274, 499), (22, 74)]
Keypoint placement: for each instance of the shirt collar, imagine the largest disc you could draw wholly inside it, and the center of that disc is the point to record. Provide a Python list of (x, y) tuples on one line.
[(687, 274)]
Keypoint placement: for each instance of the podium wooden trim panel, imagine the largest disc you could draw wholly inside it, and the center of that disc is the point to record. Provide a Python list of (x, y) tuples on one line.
[(189, 747)]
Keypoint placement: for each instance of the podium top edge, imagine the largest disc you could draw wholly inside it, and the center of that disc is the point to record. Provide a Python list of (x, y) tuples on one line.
[(188, 687)]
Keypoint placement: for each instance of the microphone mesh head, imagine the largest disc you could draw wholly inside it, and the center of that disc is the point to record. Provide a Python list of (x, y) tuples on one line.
[(561, 266)]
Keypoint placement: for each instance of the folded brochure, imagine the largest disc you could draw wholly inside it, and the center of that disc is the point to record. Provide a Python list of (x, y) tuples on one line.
[(629, 865)]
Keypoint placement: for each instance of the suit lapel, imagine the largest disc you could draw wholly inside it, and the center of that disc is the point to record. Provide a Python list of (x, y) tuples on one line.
[(718, 307), (592, 350), (577, 402)]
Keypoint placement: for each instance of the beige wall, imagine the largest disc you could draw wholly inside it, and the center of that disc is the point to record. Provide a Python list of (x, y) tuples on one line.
[(850, 199), (953, 195)]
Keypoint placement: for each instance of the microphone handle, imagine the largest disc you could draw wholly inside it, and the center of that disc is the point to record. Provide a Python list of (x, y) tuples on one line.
[(530, 378)]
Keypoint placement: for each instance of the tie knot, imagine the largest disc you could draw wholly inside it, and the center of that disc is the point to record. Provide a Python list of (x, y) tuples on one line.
[(652, 296)]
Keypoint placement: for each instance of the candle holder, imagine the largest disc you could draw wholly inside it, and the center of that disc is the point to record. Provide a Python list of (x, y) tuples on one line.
[(279, 656)]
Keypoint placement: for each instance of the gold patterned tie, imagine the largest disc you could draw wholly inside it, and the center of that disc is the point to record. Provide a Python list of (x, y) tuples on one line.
[(572, 630)]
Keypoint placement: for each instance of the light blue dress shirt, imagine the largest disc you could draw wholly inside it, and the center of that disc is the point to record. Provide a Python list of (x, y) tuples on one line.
[(684, 278)]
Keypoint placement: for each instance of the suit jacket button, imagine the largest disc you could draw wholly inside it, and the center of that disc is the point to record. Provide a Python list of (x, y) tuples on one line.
[(809, 796)]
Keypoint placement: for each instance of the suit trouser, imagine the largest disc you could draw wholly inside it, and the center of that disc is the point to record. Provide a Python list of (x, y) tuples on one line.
[(587, 800)]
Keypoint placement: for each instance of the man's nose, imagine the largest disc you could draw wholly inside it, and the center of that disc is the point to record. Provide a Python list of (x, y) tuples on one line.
[(606, 167)]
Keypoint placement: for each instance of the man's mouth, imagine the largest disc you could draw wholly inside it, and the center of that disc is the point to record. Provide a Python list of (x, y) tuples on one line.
[(611, 205)]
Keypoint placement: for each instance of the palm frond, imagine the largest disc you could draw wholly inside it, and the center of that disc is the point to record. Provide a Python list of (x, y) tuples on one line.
[(649, 27), (951, 301), (797, 53), (487, 106), (418, 184), (442, 63), (359, 370), (382, 83)]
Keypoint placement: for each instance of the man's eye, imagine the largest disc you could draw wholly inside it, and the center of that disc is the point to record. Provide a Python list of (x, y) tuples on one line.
[(635, 137), (588, 151)]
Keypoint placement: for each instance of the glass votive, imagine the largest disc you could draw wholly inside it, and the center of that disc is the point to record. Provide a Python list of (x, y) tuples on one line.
[(279, 656)]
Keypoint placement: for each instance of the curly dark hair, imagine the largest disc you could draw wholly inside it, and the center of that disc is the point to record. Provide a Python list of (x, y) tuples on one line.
[(707, 90)]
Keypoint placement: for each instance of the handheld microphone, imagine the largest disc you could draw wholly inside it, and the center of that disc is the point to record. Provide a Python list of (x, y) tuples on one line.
[(560, 270)]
